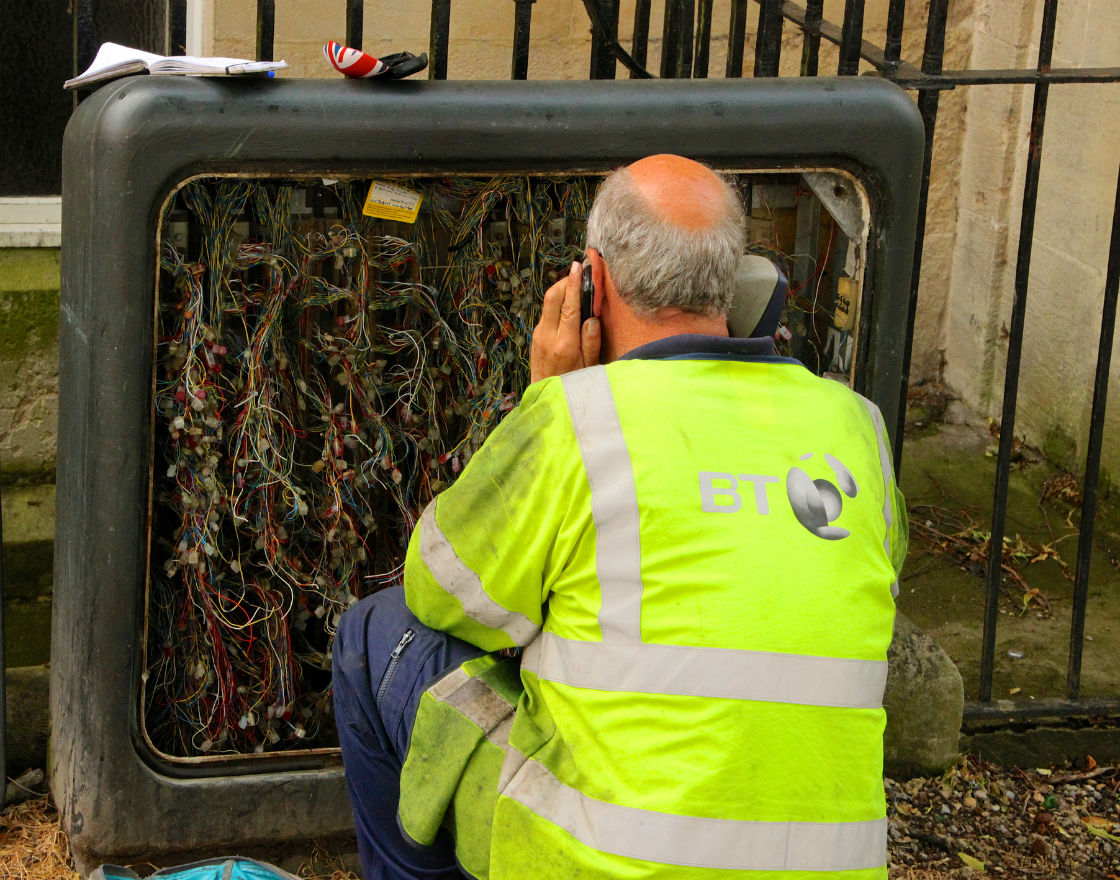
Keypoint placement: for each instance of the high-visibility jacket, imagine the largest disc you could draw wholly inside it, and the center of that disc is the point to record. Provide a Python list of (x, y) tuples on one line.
[(698, 557)]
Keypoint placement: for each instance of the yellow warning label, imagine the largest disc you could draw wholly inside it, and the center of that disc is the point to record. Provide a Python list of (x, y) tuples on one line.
[(846, 291), (390, 201)]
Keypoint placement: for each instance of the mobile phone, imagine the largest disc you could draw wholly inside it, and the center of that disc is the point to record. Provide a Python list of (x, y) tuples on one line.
[(587, 293)]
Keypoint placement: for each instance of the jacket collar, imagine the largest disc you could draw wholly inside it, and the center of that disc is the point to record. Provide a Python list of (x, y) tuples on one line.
[(695, 345)]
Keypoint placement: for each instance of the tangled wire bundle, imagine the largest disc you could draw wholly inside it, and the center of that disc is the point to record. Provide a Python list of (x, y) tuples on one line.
[(317, 382)]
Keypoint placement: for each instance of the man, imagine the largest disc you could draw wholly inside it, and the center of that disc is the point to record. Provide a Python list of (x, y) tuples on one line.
[(695, 547)]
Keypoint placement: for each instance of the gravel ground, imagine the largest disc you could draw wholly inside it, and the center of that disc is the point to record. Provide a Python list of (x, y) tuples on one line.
[(976, 820), (980, 819)]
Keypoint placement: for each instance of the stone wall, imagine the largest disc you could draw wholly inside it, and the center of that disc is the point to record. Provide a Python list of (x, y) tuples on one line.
[(29, 283), (482, 34), (1072, 227), (29, 280)]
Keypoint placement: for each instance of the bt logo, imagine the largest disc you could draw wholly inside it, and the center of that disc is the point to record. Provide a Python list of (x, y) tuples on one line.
[(815, 503)]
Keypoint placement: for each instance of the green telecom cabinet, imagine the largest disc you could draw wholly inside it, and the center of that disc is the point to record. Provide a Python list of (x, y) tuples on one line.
[(244, 333)]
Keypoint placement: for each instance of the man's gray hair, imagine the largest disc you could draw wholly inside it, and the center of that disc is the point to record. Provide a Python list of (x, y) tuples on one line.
[(656, 264)]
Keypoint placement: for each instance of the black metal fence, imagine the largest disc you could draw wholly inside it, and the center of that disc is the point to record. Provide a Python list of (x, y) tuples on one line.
[(686, 43)]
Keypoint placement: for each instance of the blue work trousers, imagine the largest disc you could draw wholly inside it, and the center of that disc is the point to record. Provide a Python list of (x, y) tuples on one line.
[(375, 701)]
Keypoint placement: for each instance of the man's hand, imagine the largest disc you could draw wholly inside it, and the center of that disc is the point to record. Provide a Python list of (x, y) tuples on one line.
[(560, 345)]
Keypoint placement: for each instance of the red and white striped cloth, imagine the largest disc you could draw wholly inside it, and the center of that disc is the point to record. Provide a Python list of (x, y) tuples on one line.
[(353, 63)]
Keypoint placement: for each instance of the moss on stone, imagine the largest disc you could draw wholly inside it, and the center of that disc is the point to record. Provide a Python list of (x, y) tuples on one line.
[(943, 592), (27, 632), (28, 541), (1060, 447), (23, 269), (28, 322), (29, 285), (1043, 746), (17, 472)]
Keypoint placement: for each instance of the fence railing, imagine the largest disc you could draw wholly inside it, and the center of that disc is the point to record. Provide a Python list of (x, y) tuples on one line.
[(685, 51)]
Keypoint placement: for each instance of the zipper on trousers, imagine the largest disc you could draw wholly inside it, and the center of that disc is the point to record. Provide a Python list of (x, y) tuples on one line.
[(394, 659)]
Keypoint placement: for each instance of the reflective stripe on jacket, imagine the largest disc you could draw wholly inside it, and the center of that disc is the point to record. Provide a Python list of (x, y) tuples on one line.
[(698, 558)]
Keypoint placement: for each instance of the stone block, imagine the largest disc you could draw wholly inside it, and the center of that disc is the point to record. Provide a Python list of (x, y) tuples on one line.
[(1013, 24), (477, 59), (1043, 746), (1078, 179), (924, 702), (930, 317), (233, 28), (23, 269), (1059, 351), (27, 716), (237, 46), (27, 631), (566, 59), (1071, 33), (995, 129), (978, 273), (314, 22), (492, 27), (28, 513), (1102, 43), (29, 282), (553, 20)]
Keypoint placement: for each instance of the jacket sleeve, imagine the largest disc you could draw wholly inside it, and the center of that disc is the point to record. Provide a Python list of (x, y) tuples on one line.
[(479, 558), (898, 528)]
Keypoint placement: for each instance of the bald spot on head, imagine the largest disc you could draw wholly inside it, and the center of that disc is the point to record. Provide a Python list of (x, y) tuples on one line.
[(683, 192)]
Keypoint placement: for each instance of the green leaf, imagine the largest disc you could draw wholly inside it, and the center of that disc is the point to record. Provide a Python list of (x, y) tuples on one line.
[(1095, 829), (973, 863)]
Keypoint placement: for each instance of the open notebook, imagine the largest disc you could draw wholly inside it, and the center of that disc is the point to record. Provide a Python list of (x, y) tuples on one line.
[(114, 60)]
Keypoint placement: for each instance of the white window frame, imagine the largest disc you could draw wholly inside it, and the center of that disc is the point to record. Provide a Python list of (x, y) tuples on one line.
[(36, 221), (199, 21), (30, 221)]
